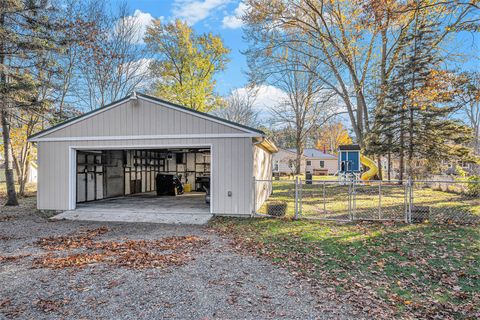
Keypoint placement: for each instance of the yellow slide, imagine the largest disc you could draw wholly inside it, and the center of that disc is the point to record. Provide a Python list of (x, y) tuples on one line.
[(372, 168)]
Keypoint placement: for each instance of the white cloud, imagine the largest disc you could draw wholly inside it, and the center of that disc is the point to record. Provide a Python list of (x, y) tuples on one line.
[(234, 21), (142, 21), (267, 96), (139, 67), (193, 11)]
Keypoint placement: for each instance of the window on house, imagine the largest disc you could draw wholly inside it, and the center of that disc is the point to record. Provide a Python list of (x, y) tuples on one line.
[(275, 166), (309, 163), (322, 164)]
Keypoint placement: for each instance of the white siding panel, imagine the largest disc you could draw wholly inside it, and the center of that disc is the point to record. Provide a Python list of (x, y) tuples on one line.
[(262, 170), (231, 169)]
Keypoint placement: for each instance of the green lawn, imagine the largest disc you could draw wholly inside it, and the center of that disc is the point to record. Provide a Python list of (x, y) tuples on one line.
[(392, 270), (30, 189), (315, 178)]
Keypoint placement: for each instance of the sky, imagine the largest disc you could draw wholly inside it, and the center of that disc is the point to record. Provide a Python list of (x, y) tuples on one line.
[(220, 17)]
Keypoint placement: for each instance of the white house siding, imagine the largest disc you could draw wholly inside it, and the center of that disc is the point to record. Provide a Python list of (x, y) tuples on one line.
[(232, 166), (330, 164), (282, 158), (262, 171)]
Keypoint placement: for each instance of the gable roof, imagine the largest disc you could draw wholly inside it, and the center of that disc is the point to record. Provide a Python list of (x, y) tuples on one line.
[(292, 152), (316, 154), (155, 100)]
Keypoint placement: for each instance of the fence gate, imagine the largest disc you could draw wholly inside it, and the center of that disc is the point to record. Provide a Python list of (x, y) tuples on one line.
[(325, 200), (380, 200)]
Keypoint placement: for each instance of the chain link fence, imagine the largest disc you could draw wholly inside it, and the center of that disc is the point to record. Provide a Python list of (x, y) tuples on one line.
[(275, 198), (445, 201), (379, 200), (325, 200), (408, 201)]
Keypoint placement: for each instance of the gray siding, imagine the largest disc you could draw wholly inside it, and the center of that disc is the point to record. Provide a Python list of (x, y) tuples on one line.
[(232, 167), (231, 170), (146, 118)]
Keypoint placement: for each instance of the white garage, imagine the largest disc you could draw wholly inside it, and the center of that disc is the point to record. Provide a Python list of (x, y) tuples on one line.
[(147, 154)]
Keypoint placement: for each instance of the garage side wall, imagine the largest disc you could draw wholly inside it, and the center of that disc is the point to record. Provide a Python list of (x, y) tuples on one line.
[(262, 170), (231, 169)]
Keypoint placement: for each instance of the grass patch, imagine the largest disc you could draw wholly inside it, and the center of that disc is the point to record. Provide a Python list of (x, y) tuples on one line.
[(393, 270), (30, 189)]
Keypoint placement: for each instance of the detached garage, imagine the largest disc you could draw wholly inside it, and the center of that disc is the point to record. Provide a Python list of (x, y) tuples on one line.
[(147, 154)]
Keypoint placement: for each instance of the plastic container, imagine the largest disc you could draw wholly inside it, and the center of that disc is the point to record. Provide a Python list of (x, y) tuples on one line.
[(187, 187)]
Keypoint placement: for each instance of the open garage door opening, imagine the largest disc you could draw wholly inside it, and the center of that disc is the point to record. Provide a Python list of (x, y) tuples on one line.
[(173, 180)]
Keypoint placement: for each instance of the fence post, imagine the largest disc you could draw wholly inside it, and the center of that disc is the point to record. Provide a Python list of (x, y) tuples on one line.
[(300, 196), (380, 200), (296, 198), (409, 200), (324, 199), (254, 211), (354, 198)]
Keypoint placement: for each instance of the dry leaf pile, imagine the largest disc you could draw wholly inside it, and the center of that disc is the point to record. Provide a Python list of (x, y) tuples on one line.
[(12, 258), (82, 249)]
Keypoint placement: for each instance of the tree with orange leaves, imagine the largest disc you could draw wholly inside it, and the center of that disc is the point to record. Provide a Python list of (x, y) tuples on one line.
[(332, 135)]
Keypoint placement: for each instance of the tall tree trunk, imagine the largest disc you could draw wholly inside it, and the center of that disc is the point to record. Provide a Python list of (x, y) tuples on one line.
[(410, 142), (379, 165), (410, 105), (389, 164), (402, 147), (7, 150), (299, 147), (23, 180), (298, 158)]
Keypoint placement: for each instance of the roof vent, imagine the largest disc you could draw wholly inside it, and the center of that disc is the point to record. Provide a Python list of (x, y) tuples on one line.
[(135, 99)]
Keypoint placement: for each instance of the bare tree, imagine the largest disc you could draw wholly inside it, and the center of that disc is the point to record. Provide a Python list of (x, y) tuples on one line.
[(240, 107), (113, 64), (304, 105), (470, 100), (354, 43)]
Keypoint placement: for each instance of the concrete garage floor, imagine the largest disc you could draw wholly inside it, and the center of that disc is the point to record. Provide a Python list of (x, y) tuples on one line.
[(188, 208)]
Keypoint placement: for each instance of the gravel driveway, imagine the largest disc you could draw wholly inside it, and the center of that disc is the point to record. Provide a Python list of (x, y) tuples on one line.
[(216, 283)]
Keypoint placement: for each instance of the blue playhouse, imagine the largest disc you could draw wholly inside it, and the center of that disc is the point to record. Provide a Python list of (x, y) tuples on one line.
[(349, 159)]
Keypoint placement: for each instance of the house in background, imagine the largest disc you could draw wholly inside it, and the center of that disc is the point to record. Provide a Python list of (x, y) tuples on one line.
[(313, 160), (31, 176), (284, 162), (320, 163)]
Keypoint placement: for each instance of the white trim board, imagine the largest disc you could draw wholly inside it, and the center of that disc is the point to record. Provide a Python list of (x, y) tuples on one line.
[(147, 137), (167, 105)]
